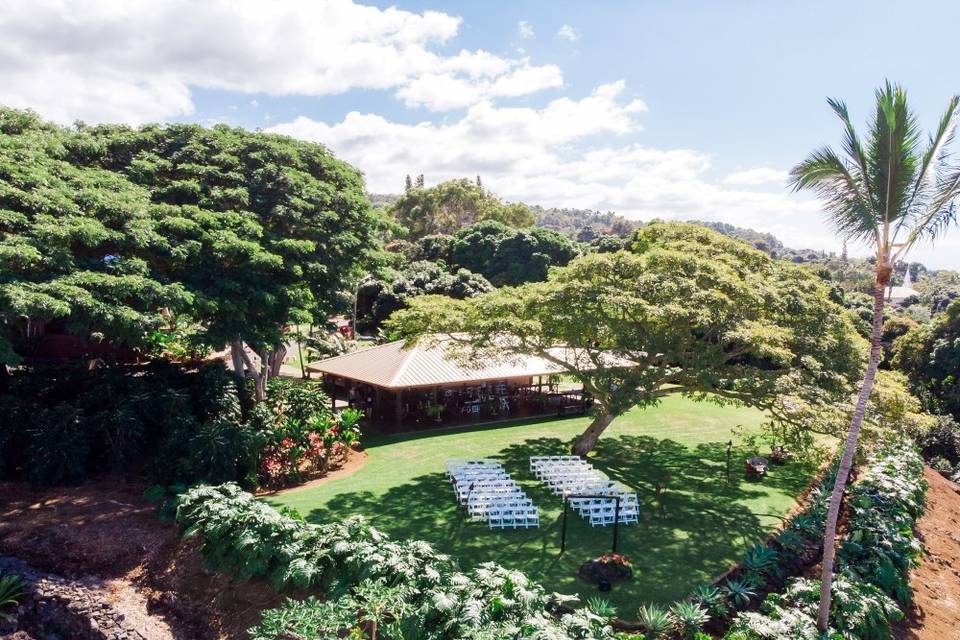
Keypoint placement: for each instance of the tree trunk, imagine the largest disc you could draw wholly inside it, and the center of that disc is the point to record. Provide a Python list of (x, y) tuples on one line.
[(259, 375), (588, 440), (236, 356), (303, 369), (846, 462), (275, 360)]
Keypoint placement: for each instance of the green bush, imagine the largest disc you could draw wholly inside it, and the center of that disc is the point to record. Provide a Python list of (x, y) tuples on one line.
[(688, 618), (66, 423), (941, 440), (59, 447), (174, 426), (875, 559), (885, 503), (860, 611), (406, 588)]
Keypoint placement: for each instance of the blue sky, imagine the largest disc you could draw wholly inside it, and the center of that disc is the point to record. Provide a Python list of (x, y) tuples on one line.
[(668, 109)]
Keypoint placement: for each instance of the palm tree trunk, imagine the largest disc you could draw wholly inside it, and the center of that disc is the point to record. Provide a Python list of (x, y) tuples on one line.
[(846, 462), (588, 440)]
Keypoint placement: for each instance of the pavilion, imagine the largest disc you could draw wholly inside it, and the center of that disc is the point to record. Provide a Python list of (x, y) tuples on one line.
[(432, 383)]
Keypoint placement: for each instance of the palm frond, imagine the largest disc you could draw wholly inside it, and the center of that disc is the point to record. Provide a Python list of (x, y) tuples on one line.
[(852, 145), (941, 215), (936, 152), (842, 191), (893, 144)]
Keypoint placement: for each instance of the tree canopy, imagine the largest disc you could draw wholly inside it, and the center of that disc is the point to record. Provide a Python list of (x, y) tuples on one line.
[(111, 227), (377, 299), (694, 311), (75, 242), (930, 356), (451, 205), (507, 256)]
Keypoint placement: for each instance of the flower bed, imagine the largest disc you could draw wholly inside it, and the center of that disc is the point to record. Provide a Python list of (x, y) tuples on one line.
[(606, 569)]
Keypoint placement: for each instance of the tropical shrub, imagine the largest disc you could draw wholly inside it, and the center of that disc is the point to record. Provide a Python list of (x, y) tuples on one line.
[(12, 588), (174, 425), (859, 610), (740, 592), (885, 503), (59, 445), (297, 434), (761, 559), (63, 423), (874, 560), (940, 440), (404, 588), (711, 598), (656, 621), (688, 617)]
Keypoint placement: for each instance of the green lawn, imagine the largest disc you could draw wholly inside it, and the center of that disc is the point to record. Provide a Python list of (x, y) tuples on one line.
[(706, 525)]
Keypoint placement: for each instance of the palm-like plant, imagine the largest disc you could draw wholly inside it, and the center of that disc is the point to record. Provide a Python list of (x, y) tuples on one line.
[(891, 192), (12, 588)]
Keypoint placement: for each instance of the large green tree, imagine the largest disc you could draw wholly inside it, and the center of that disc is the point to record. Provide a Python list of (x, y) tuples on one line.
[(378, 298), (508, 256), (254, 231), (888, 191), (451, 205), (76, 242), (686, 310), (930, 356), (263, 229)]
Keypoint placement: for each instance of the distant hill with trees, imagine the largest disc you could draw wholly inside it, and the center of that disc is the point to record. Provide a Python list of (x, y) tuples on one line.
[(435, 215)]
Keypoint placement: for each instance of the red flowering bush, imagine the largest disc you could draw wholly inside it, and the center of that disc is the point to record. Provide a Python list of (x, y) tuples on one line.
[(615, 558), (299, 436)]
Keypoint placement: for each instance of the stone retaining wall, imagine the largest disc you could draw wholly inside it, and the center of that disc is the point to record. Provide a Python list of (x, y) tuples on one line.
[(58, 608)]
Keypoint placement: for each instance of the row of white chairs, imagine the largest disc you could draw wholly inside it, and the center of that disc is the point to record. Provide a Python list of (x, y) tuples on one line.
[(489, 493), (602, 512), (513, 517), (569, 476)]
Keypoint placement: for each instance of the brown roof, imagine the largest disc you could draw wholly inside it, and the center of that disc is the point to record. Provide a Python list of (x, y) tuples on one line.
[(426, 364)]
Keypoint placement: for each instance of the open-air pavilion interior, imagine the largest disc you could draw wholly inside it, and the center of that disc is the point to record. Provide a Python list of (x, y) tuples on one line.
[(431, 383)]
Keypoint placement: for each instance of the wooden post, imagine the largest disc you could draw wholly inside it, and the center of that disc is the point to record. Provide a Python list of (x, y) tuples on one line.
[(398, 418)]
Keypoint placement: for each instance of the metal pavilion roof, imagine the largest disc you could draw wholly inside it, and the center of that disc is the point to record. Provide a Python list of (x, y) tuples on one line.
[(429, 363)]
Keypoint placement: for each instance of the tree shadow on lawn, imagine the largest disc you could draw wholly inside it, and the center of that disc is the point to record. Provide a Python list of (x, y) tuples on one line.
[(703, 529)]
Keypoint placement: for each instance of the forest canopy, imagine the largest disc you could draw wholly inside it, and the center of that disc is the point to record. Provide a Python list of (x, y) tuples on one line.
[(116, 232)]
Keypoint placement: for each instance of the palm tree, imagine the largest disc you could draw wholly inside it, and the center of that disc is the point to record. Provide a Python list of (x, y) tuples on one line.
[(891, 194)]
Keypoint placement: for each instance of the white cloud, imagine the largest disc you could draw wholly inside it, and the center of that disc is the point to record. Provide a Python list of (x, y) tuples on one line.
[(568, 33), (525, 29), (758, 176), (444, 91), (570, 153), (114, 60)]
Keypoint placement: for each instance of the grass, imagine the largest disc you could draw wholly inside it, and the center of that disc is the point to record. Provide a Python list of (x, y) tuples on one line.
[(705, 526)]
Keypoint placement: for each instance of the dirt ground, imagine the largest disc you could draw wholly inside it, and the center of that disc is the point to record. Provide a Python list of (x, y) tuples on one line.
[(936, 582), (107, 535)]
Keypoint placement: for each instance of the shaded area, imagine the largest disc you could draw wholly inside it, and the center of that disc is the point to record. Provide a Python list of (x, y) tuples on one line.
[(107, 535), (691, 530)]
